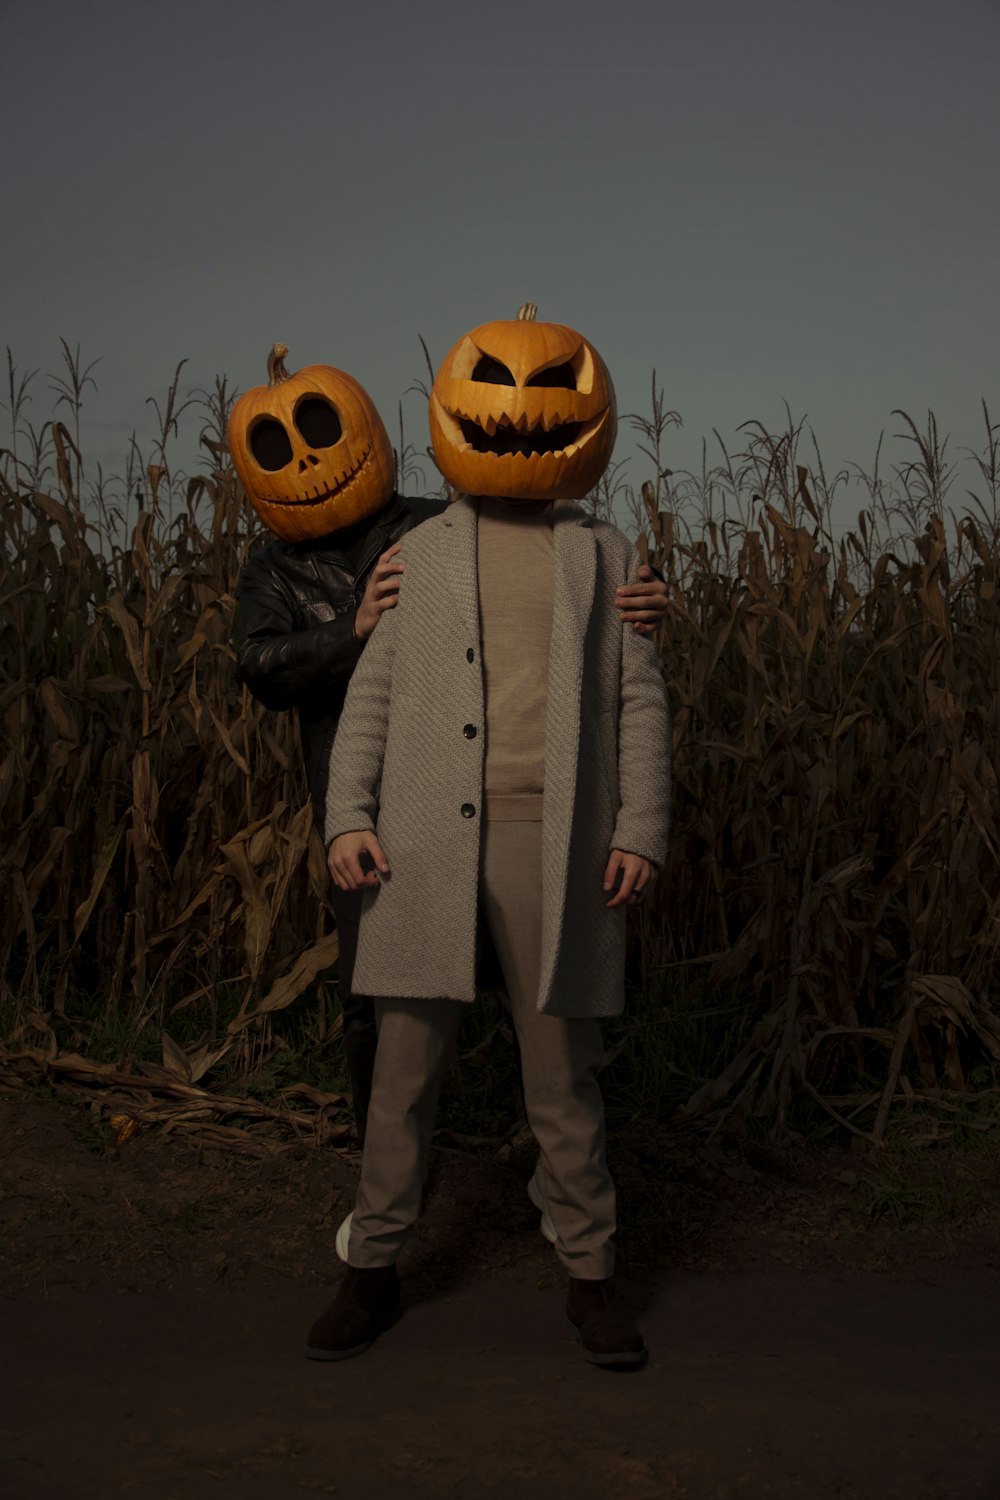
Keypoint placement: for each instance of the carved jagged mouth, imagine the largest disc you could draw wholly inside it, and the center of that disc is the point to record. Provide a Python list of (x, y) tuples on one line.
[(506, 439), (320, 496)]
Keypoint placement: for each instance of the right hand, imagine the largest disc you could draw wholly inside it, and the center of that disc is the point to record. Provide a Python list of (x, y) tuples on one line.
[(382, 592), (344, 860)]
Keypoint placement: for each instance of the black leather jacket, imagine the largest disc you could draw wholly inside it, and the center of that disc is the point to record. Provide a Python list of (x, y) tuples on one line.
[(295, 645)]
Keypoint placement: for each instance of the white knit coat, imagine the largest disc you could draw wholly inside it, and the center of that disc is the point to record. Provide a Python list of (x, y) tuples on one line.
[(408, 763)]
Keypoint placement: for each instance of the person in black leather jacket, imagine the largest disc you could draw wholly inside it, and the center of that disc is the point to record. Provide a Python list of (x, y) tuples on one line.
[(306, 609), (297, 646)]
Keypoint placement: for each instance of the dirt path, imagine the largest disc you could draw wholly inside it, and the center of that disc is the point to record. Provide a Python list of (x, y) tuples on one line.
[(155, 1305), (769, 1385)]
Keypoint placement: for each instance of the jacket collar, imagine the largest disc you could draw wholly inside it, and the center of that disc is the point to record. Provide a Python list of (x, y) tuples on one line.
[(332, 545)]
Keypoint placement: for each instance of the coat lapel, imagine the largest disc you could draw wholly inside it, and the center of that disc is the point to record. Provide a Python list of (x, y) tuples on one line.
[(575, 576), (461, 525)]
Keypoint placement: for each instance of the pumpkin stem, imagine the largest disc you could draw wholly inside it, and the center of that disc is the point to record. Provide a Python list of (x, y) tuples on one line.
[(528, 312), (276, 371)]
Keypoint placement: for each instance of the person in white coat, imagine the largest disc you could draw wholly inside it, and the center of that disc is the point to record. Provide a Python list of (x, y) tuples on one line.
[(504, 751)]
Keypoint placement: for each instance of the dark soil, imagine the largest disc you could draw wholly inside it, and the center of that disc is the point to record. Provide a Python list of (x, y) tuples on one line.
[(821, 1323)]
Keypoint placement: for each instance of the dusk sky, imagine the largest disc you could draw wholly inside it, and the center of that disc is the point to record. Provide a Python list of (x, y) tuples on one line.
[(779, 200)]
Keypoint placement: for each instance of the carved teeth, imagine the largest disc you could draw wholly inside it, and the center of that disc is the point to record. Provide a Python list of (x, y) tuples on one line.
[(318, 495), (515, 424)]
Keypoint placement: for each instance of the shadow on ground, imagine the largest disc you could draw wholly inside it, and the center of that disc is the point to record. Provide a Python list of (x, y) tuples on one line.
[(813, 1331)]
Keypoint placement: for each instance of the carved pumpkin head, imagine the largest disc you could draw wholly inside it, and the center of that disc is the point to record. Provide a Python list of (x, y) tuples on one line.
[(523, 409), (310, 450)]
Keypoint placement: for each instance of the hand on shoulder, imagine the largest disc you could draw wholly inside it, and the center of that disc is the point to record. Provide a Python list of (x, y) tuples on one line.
[(643, 605), (381, 592)]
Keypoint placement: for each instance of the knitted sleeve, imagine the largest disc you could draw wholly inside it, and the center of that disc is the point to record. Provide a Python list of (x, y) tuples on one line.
[(644, 747), (359, 747)]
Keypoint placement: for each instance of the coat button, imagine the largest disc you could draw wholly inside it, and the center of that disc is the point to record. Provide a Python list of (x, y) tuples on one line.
[(470, 655), (469, 731), (468, 811)]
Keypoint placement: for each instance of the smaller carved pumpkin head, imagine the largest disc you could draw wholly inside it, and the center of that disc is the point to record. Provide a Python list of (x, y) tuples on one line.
[(523, 409), (310, 450)]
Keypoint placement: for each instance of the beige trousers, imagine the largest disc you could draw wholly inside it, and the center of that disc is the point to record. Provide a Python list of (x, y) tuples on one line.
[(559, 1060)]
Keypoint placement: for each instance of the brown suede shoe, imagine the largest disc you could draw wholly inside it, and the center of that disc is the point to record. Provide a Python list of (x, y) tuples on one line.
[(607, 1338), (367, 1302)]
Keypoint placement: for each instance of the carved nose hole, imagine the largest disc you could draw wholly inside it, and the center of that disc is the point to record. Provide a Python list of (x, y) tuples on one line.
[(310, 458)]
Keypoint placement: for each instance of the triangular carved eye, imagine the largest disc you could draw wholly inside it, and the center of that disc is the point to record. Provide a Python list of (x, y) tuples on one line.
[(318, 422), (269, 444), (563, 376), (492, 372)]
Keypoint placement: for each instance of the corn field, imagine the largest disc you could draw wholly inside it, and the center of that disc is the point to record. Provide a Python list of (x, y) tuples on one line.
[(835, 848)]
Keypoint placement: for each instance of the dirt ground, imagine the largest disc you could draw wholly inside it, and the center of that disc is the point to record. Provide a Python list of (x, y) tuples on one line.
[(820, 1323)]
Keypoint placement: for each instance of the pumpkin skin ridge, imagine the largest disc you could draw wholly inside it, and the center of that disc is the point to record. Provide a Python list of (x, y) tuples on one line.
[(565, 343), (338, 488), (485, 341)]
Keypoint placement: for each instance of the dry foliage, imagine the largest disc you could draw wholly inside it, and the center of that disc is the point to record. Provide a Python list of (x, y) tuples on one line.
[(837, 736), (836, 838), (157, 843)]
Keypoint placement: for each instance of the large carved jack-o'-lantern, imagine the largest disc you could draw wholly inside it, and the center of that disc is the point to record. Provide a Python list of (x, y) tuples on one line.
[(310, 450), (523, 409)]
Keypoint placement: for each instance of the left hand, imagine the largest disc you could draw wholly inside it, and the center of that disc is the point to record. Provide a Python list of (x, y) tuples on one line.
[(637, 877), (644, 604)]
